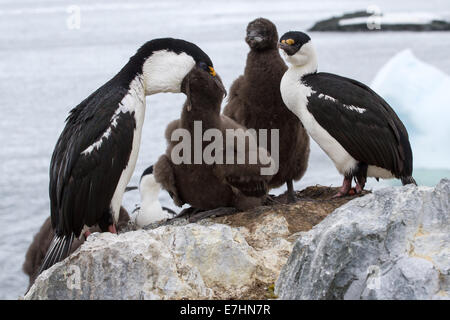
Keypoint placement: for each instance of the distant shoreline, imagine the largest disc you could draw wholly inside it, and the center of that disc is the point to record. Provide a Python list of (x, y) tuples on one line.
[(363, 21)]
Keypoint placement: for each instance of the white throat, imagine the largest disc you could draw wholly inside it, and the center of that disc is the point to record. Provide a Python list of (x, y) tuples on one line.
[(151, 210), (304, 61), (164, 71)]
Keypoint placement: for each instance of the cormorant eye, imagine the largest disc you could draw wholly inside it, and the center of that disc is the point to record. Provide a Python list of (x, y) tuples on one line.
[(207, 68), (288, 41), (203, 65)]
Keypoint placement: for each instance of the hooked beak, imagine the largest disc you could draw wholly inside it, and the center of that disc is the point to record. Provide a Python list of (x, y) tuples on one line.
[(287, 49), (282, 46)]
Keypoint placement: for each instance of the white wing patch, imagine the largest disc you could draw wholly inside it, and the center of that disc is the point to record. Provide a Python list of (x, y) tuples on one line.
[(327, 97), (353, 108), (295, 96), (127, 105), (347, 106)]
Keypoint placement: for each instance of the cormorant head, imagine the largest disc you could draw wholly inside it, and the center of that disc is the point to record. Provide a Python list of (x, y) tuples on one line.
[(147, 171), (165, 62), (261, 34), (203, 87), (297, 48), (148, 184)]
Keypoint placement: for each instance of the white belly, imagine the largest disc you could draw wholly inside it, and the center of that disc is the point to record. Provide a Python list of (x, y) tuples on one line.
[(134, 102), (294, 95), (150, 213), (377, 172)]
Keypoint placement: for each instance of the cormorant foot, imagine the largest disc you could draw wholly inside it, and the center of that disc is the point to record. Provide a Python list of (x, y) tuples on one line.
[(112, 228), (340, 194), (346, 188), (350, 192), (358, 189)]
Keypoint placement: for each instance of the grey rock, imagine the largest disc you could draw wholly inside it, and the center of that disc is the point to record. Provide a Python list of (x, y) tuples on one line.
[(181, 261), (391, 244)]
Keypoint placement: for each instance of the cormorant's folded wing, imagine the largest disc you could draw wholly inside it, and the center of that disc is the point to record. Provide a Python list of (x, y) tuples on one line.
[(88, 160), (361, 121)]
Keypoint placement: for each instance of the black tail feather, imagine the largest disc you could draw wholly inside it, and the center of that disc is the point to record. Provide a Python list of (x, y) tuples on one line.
[(408, 180), (59, 249)]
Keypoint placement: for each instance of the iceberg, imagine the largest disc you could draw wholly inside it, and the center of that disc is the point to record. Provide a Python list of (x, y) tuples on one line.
[(420, 94)]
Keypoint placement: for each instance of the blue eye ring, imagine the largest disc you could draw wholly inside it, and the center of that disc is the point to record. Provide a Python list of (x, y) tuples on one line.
[(203, 65)]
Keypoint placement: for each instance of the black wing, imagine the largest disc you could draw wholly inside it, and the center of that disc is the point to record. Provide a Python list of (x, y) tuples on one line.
[(82, 185), (361, 121)]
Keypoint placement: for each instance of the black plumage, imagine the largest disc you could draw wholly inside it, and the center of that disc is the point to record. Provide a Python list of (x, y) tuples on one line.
[(95, 147), (356, 127), (82, 185), (375, 136)]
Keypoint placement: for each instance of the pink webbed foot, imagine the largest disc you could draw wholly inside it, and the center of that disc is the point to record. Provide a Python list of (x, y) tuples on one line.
[(346, 188), (112, 228)]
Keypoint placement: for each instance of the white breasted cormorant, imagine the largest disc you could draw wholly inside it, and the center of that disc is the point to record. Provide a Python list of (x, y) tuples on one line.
[(355, 127), (96, 153), (150, 210), (255, 102)]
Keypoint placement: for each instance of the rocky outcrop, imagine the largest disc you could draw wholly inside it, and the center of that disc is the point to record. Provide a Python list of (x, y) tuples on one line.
[(391, 244), (231, 257)]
